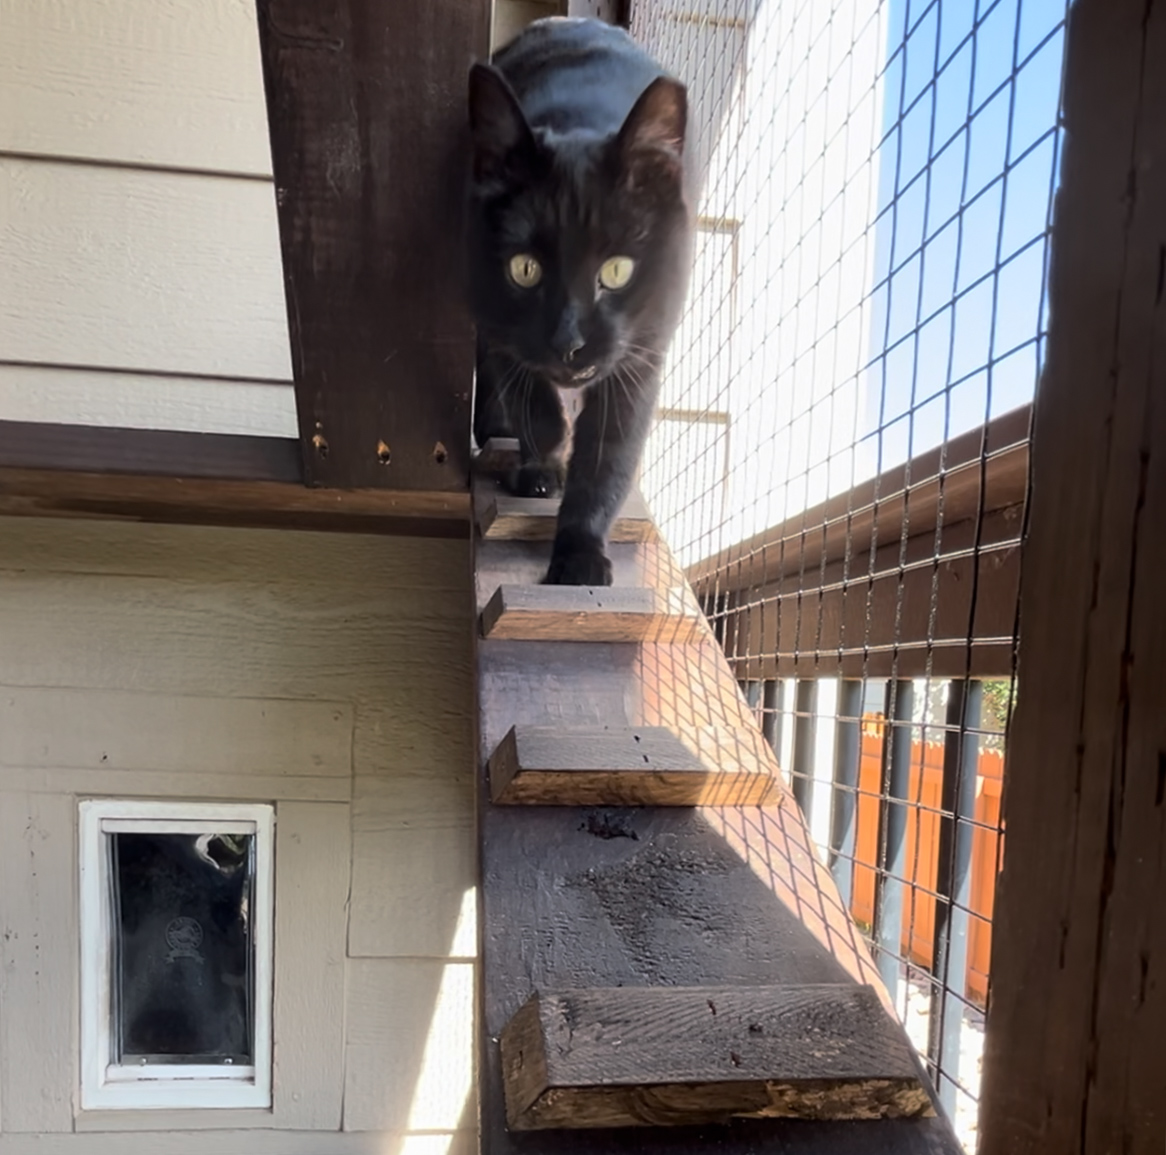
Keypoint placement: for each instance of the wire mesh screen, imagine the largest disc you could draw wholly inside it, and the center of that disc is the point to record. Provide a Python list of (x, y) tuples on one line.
[(840, 460)]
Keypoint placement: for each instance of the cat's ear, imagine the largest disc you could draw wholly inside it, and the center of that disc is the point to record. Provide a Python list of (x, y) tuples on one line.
[(500, 133), (658, 119)]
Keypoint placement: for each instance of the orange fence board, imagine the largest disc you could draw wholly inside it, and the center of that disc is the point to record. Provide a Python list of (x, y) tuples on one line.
[(923, 824)]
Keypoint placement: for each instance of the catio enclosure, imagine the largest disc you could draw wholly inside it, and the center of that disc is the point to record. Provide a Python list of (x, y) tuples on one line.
[(238, 533), (842, 452)]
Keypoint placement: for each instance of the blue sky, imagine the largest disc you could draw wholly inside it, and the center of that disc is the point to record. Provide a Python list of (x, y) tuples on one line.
[(967, 168)]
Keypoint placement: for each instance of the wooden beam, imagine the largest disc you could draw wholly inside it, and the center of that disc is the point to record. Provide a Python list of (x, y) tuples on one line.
[(366, 109), (629, 766), (636, 1057), (649, 896), (977, 472), (154, 475), (1074, 1058), (37, 445), (946, 617)]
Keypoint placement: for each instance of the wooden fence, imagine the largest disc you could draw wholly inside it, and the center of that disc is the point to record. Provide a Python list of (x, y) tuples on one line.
[(923, 832)]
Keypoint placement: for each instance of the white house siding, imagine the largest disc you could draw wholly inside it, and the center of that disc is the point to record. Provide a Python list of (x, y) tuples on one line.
[(328, 674), (139, 249)]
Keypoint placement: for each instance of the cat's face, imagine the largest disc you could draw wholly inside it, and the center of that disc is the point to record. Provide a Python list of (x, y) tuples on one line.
[(579, 245)]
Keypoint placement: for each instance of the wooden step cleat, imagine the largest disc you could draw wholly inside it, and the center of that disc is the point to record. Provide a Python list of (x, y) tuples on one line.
[(623, 766), (676, 1056), (592, 614), (501, 516)]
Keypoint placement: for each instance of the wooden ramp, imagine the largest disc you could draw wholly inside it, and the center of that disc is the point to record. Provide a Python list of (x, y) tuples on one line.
[(666, 965)]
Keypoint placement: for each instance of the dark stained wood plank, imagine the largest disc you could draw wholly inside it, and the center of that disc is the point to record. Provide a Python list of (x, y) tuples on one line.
[(650, 896), (581, 613), (624, 766), (666, 1056), (501, 516), (151, 452), (957, 613), (366, 109), (983, 470), (584, 897), (1074, 1059), (664, 896), (198, 479)]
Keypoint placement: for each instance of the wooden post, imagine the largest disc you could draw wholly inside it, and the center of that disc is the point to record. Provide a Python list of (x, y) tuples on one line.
[(1075, 1059), (953, 882), (802, 771), (891, 876), (366, 104), (844, 810)]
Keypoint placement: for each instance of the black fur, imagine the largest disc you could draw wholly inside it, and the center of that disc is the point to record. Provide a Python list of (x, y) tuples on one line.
[(578, 158)]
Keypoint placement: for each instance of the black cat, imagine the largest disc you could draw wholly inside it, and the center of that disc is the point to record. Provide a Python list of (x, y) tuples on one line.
[(580, 236)]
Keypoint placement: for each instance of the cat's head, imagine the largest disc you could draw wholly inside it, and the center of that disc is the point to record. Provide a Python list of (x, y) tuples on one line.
[(579, 243)]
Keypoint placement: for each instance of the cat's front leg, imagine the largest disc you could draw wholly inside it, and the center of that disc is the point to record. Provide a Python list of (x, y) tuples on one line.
[(609, 439), (537, 417)]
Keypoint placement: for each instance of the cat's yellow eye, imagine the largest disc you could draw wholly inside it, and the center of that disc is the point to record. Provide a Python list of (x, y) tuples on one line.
[(525, 271), (616, 272)]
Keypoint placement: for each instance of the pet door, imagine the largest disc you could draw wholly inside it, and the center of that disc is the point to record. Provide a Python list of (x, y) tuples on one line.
[(176, 982)]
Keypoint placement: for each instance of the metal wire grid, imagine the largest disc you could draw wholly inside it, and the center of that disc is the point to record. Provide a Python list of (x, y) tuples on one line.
[(877, 180)]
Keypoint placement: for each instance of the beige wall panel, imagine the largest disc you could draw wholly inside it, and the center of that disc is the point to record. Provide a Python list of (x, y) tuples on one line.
[(227, 1142), (412, 893), (400, 647), (411, 1045), (141, 401), (38, 958), (389, 742), (312, 854), (512, 16), (142, 81), (108, 730), (128, 269), (276, 557), (151, 784), (403, 802), (415, 864)]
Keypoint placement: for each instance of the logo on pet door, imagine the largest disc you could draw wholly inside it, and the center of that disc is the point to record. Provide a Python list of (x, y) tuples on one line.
[(184, 937)]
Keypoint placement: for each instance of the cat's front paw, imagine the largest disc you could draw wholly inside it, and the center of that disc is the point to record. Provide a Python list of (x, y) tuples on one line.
[(536, 481), (583, 565)]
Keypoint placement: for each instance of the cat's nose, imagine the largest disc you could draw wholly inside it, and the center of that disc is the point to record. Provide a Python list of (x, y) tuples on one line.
[(567, 340)]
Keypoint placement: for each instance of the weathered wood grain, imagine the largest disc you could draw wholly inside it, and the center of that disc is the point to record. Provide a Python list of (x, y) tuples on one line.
[(629, 1056), (1074, 1060), (366, 107), (653, 896), (580, 613), (619, 766)]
